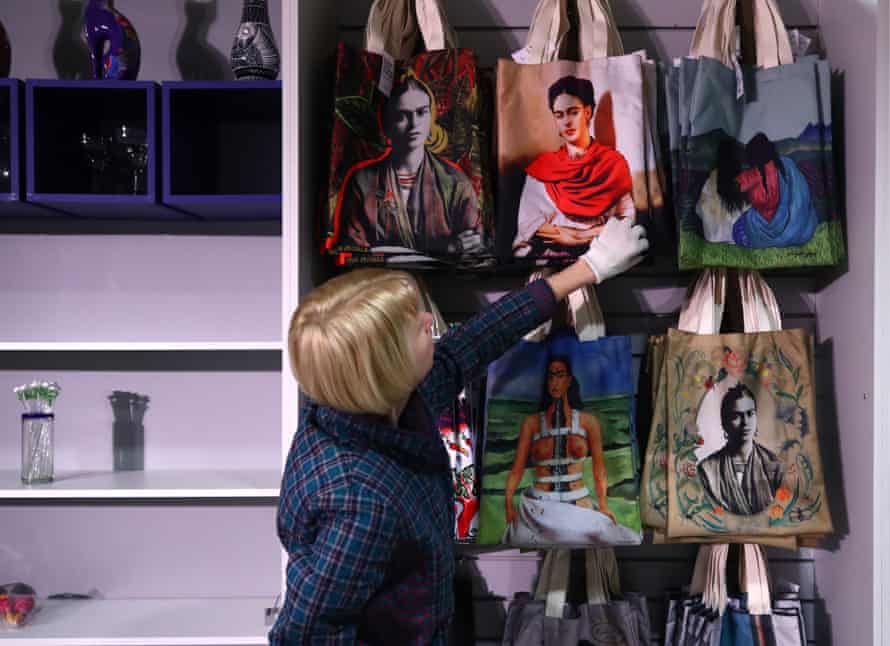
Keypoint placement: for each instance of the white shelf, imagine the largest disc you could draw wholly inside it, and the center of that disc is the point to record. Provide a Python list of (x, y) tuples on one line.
[(127, 485), (144, 622), (136, 346)]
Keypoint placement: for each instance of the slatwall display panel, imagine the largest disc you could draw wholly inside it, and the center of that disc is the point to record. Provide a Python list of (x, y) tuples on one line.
[(628, 13), (495, 29), (140, 288), (195, 420), (143, 550), (645, 303), (491, 43)]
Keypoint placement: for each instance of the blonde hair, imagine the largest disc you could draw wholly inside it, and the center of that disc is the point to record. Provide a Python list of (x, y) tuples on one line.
[(349, 341)]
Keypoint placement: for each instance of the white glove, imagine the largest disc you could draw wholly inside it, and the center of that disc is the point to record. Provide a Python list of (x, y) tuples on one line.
[(617, 248)]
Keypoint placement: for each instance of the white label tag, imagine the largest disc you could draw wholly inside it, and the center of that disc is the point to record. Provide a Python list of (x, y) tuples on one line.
[(387, 74), (800, 44), (520, 55), (739, 79)]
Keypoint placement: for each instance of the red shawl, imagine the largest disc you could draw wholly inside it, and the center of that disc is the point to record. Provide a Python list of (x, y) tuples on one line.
[(585, 187), (763, 198)]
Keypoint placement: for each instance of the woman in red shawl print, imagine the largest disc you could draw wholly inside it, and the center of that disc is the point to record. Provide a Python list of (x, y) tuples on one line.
[(570, 193)]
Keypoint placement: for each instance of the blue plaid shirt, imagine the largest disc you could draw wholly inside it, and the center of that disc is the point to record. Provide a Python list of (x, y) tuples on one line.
[(366, 510)]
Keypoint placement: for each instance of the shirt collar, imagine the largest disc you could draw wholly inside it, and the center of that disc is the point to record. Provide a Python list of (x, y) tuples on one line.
[(415, 442)]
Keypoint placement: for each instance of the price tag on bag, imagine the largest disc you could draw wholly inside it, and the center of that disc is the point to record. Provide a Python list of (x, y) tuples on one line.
[(739, 76), (387, 74)]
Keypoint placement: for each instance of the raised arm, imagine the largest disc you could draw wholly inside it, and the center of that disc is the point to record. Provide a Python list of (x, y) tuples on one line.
[(466, 350)]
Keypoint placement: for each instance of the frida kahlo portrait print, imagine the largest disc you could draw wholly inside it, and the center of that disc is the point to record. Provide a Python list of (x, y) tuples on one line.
[(742, 455), (559, 466), (573, 151), (571, 192), (405, 167)]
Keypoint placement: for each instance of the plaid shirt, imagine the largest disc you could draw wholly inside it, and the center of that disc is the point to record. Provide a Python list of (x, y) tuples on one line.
[(366, 510)]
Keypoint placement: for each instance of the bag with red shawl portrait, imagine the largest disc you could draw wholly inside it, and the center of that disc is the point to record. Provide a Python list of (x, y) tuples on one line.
[(575, 139), (406, 166)]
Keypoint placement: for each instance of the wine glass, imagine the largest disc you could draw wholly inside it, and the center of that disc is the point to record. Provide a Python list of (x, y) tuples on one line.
[(98, 156)]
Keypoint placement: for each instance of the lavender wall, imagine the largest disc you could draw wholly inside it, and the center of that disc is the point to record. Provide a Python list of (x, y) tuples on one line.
[(140, 288), (846, 327), (180, 39)]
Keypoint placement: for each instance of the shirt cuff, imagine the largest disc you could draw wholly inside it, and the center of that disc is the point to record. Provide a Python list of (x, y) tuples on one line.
[(544, 298)]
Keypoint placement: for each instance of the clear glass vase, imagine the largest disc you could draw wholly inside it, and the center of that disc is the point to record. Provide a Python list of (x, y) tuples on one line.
[(37, 447)]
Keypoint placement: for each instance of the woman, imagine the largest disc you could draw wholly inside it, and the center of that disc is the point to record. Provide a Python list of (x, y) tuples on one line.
[(721, 201), (366, 511), (782, 212), (743, 476), (410, 196), (570, 193), (558, 509)]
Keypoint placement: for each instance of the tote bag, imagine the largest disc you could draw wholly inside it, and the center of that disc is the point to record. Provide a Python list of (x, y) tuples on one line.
[(608, 618), (460, 444), (575, 143), (754, 176), (407, 173), (559, 466), (708, 616), (742, 445), (702, 313), (457, 428)]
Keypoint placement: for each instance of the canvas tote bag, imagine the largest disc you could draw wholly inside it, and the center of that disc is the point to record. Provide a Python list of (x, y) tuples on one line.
[(560, 465), (754, 175), (708, 616), (607, 618), (575, 142), (408, 175), (701, 313), (742, 446), (459, 439)]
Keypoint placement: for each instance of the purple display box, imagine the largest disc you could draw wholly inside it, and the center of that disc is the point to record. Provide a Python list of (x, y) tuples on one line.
[(11, 172), (221, 142), (58, 176)]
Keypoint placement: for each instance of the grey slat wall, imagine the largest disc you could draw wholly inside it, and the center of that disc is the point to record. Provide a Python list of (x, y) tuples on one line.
[(645, 302)]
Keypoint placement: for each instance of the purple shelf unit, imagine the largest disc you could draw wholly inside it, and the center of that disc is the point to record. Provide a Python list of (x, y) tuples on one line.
[(221, 142), (58, 177)]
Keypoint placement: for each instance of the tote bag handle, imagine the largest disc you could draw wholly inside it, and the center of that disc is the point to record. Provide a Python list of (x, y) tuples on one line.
[(584, 313), (759, 307), (705, 302), (598, 35), (754, 579), (553, 582), (393, 26), (714, 35), (709, 576), (440, 327), (601, 573), (547, 31)]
